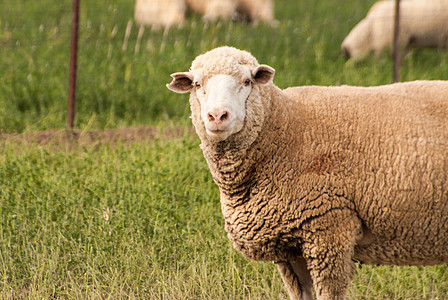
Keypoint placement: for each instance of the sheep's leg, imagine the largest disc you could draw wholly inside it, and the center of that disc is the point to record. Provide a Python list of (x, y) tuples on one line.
[(290, 280), (328, 251), (299, 266), (296, 278), (332, 280)]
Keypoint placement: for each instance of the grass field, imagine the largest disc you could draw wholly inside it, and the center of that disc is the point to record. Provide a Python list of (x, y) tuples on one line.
[(141, 219), (121, 80)]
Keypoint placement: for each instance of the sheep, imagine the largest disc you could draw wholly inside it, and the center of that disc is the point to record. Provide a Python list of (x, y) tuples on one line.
[(312, 178), (158, 13), (423, 24), (249, 10), (212, 10), (257, 10)]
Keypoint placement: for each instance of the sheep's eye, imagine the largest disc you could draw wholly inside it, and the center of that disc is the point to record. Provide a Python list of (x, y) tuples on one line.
[(247, 82), (197, 84)]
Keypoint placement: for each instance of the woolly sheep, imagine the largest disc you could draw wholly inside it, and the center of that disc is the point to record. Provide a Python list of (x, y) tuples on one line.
[(159, 13), (423, 23), (250, 10), (314, 177), (257, 10), (213, 10)]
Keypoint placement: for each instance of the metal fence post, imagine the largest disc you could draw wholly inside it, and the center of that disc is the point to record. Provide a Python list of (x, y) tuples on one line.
[(396, 45), (73, 64)]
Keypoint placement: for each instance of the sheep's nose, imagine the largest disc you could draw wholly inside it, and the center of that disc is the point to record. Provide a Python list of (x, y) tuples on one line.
[(345, 52), (218, 117)]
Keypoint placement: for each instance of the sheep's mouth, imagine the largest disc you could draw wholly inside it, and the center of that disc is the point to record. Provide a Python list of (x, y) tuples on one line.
[(218, 134), (217, 131)]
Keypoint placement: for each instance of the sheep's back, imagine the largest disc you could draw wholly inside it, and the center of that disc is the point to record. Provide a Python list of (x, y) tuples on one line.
[(423, 23), (389, 145)]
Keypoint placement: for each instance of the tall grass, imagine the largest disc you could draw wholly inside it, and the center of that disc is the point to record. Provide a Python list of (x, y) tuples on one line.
[(140, 221), (122, 74)]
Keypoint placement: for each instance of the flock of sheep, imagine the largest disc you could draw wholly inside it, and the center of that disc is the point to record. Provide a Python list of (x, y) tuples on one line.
[(158, 13), (424, 23), (314, 178)]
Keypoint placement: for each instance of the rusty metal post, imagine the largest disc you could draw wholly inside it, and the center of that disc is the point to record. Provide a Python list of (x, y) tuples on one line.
[(396, 45), (73, 64)]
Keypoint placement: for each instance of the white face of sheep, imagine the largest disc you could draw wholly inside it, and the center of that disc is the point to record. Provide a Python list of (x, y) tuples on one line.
[(222, 97), (358, 42)]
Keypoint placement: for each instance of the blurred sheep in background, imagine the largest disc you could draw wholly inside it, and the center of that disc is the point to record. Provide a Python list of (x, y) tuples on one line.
[(158, 13), (423, 24), (212, 10), (257, 10)]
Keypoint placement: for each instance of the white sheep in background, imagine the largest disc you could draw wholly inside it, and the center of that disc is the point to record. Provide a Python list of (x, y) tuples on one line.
[(423, 23), (257, 10), (314, 177), (159, 13), (249, 10), (212, 10)]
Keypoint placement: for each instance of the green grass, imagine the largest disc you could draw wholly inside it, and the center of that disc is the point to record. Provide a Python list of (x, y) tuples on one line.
[(143, 220), (140, 221), (121, 80)]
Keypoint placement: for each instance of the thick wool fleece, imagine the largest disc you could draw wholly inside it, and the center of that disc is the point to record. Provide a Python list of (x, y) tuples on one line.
[(388, 148), (331, 174)]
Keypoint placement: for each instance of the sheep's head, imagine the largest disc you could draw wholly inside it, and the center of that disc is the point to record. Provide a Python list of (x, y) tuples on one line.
[(222, 88), (358, 44)]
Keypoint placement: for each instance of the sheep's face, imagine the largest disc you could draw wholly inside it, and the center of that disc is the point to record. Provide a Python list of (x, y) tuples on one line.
[(357, 44), (223, 104), (222, 98)]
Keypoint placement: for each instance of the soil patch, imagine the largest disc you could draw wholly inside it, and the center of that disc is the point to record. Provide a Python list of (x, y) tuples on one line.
[(64, 137)]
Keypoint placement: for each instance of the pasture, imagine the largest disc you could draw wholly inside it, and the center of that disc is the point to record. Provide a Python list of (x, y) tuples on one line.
[(137, 216)]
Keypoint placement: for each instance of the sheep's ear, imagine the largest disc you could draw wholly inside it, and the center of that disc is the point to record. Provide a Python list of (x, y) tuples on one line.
[(263, 74), (182, 82)]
